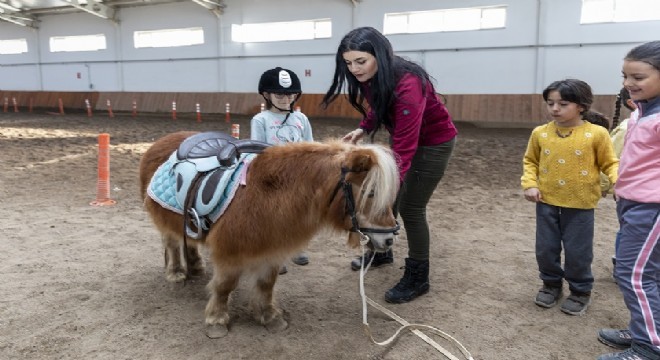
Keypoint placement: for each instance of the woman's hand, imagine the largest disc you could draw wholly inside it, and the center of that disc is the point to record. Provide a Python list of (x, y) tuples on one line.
[(533, 195), (353, 136)]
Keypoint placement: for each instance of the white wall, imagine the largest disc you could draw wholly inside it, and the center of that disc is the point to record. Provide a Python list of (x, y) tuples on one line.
[(19, 71), (543, 42)]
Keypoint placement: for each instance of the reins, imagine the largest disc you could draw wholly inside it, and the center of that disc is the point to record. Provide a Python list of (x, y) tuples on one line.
[(364, 240), (415, 328)]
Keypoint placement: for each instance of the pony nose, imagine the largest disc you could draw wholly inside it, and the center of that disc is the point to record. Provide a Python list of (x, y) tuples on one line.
[(389, 241)]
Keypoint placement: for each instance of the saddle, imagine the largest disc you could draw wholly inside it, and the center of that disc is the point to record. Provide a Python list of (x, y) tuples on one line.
[(201, 162)]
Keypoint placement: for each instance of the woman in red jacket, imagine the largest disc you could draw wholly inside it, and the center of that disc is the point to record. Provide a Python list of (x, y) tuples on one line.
[(401, 98)]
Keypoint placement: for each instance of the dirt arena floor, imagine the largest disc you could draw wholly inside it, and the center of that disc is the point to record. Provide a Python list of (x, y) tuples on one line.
[(84, 282)]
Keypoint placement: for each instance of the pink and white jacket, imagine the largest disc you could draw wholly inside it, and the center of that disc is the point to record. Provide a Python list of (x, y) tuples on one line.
[(639, 166)]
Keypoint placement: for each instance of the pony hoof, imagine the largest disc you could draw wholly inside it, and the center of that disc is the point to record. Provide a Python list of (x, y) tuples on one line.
[(175, 277), (216, 331), (277, 325)]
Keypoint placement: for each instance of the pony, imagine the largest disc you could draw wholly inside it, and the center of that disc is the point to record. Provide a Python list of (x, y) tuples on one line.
[(291, 193)]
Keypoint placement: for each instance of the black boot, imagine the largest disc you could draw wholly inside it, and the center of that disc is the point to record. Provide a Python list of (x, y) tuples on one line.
[(415, 282), (380, 259)]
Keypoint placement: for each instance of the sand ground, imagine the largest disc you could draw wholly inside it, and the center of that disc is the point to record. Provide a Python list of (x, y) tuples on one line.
[(84, 282)]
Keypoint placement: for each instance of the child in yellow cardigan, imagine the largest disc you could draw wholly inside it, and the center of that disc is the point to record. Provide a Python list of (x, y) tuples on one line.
[(561, 170)]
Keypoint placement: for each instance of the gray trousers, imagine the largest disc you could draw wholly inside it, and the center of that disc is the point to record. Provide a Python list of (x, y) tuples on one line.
[(574, 229), (426, 170)]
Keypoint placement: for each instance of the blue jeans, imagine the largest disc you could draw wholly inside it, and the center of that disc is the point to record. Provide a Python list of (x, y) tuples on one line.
[(574, 229), (427, 168)]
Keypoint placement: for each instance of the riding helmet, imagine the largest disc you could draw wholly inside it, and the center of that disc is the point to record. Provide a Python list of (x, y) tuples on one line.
[(279, 81)]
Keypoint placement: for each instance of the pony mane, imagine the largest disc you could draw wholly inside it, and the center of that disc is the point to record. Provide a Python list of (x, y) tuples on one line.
[(382, 179)]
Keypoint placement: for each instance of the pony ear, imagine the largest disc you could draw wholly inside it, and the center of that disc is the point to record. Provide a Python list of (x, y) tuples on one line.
[(360, 160)]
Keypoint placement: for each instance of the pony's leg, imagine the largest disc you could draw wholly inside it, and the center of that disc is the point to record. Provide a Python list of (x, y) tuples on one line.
[(174, 271), (265, 309), (196, 263), (217, 315)]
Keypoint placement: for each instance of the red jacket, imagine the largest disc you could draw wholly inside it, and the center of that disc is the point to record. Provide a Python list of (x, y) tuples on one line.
[(418, 118)]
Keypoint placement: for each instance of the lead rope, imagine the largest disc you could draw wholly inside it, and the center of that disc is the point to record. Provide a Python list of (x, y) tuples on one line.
[(405, 325)]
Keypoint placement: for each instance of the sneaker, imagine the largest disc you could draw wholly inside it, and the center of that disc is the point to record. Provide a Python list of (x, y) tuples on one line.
[(301, 259), (636, 352), (624, 355), (576, 304), (548, 296), (618, 339), (380, 259)]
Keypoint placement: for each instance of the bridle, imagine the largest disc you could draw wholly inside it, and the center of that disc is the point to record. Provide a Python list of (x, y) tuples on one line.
[(347, 187)]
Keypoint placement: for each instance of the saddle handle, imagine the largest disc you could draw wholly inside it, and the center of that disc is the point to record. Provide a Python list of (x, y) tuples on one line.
[(229, 153), (202, 144)]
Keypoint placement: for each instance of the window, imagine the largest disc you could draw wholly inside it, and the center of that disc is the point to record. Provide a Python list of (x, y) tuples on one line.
[(77, 43), (168, 37), (604, 11), (14, 46), (466, 19), (282, 31)]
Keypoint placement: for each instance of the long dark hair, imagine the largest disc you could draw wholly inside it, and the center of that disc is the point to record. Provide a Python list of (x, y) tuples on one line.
[(390, 70)]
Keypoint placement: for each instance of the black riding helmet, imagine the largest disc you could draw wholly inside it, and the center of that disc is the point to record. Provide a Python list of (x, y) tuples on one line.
[(280, 81)]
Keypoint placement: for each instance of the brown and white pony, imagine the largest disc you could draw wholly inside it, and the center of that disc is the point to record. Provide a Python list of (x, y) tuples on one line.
[(292, 192)]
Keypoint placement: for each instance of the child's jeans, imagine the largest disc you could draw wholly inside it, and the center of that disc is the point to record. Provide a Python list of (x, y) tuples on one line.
[(574, 229)]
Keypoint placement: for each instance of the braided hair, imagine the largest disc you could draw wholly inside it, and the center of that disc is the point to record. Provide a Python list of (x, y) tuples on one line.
[(621, 98)]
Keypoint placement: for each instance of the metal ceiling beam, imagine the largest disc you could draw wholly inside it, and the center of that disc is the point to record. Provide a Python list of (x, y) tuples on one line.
[(16, 17), (8, 7), (94, 7), (215, 6), (18, 21)]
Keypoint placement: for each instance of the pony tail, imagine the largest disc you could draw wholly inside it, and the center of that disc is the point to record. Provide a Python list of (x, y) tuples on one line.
[(617, 110), (596, 118)]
